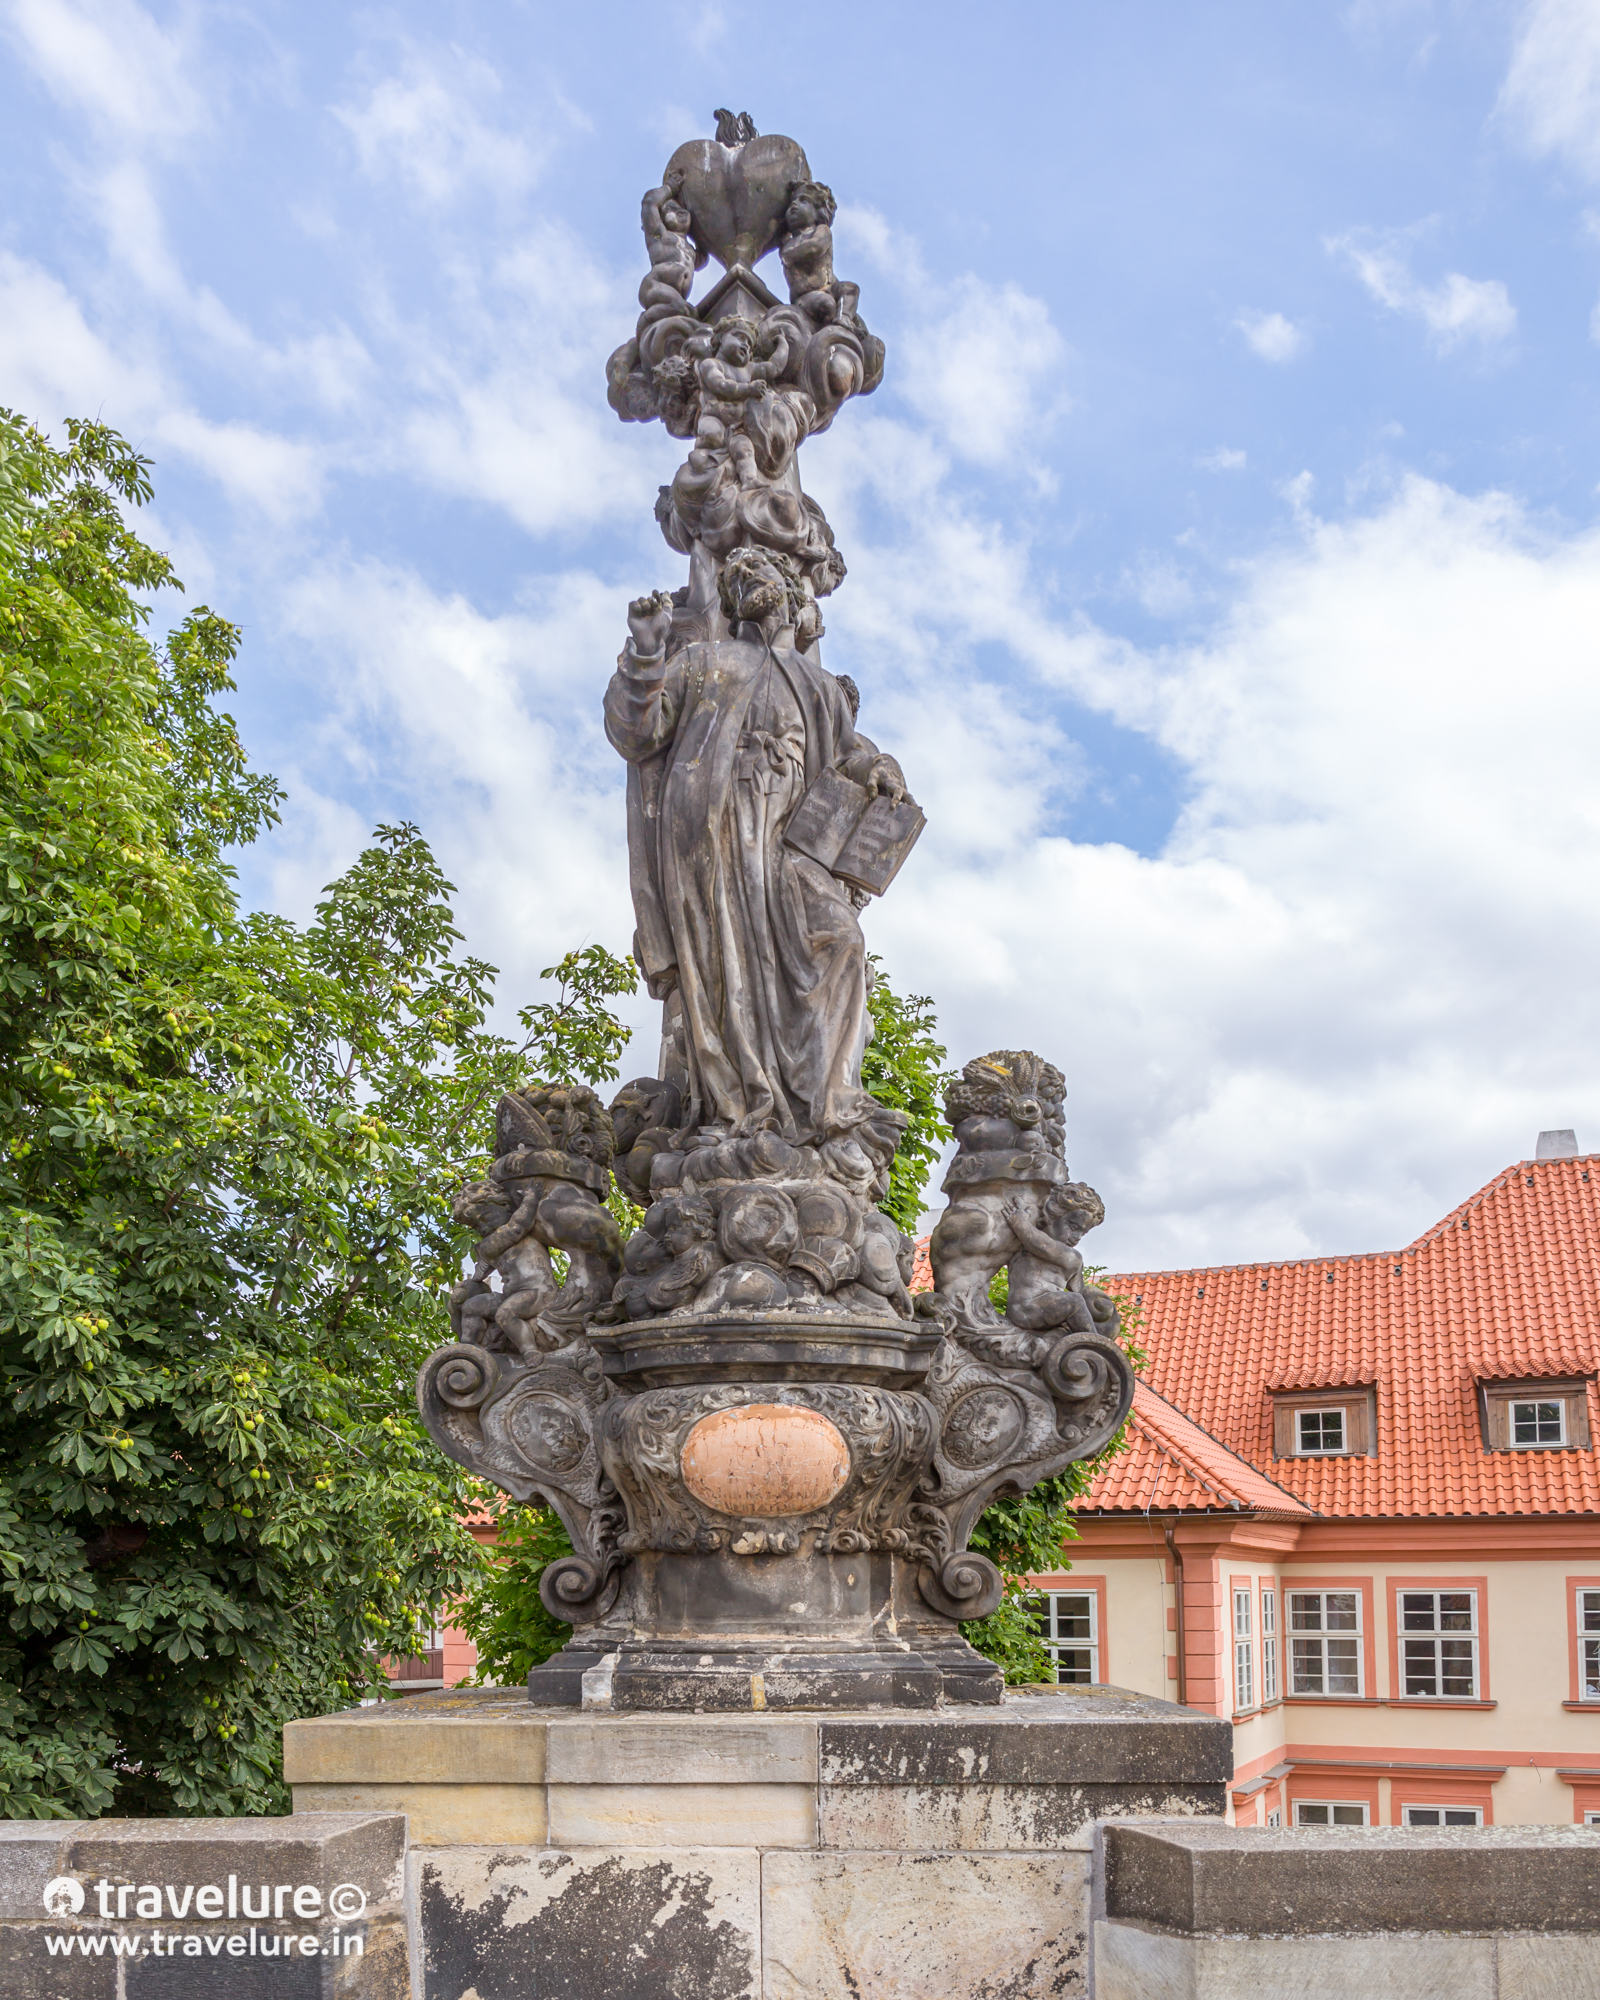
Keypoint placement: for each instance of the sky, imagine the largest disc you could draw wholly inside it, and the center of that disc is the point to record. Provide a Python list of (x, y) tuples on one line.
[(1224, 540)]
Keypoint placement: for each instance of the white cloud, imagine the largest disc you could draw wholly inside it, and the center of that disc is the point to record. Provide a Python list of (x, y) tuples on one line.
[(523, 424), (985, 369), (486, 729), (55, 365), (112, 62), (1551, 95), (1358, 979), (429, 126), (1226, 458), (1270, 335), (1455, 311), (1162, 586)]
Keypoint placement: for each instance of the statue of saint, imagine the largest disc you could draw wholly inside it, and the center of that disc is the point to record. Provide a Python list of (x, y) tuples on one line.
[(759, 943)]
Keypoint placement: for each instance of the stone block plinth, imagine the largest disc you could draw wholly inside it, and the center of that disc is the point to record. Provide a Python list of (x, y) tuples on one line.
[(298, 1908), (1191, 1911), (868, 1855)]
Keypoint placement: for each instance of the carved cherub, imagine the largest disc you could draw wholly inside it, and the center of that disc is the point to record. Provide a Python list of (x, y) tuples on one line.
[(673, 257), (665, 1273), (807, 251), (730, 376), (1045, 1287)]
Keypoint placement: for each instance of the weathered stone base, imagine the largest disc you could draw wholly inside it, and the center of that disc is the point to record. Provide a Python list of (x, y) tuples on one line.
[(1186, 1912), (346, 1939), (722, 1631), (861, 1855)]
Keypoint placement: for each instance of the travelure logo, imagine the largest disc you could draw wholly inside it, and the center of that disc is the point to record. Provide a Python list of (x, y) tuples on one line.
[(65, 1896)]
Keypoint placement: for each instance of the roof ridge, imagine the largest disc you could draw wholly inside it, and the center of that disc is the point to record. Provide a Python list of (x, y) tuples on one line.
[(1164, 1448), (1501, 1181), (1238, 1457)]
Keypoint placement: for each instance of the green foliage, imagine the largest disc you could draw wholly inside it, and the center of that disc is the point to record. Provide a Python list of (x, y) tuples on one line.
[(227, 1146), (902, 1068), (502, 1612)]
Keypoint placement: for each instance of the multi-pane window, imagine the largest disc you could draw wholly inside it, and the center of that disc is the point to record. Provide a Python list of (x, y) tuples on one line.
[(1269, 1646), (1066, 1620), (1591, 1819), (1244, 1652), (1320, 1430), (1589, 1645), (1274, 1818), (1311, 1812), (1538, 1423), (1325, 1643), (1439, 1644), (1444, 1816)]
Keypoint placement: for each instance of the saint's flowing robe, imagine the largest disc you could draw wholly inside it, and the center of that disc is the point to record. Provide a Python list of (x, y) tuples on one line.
[(722, 740)]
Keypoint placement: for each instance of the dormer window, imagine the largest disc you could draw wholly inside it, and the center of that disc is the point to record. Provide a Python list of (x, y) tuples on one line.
[(1319, 1431), (1534, 1416), (1322, 1423), (1538, 1423)]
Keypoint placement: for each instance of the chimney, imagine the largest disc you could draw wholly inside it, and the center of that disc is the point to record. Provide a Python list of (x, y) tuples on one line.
[(1557, 1146)]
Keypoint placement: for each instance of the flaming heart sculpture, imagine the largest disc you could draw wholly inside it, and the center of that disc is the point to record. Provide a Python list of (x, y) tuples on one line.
[(743, 374)]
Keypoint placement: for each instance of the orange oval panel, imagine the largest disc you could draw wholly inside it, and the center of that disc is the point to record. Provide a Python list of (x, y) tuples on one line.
[(766, 1458)]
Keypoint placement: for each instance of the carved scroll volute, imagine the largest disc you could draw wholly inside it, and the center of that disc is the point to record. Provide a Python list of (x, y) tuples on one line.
[(532, 1428), (1004, 1428)]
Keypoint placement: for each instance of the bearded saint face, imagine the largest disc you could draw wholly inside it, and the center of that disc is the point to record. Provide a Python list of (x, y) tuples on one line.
[(756, 587)]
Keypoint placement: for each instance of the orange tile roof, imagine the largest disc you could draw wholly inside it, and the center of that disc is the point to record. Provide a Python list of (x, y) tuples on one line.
[(1507, 1286), (1169, 1463)]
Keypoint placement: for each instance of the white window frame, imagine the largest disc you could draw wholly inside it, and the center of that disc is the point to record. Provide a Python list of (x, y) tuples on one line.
[(1591, 1818), (1339, 1450), (1269, 1646), (1330, 1807), (1536, 1404), (1318, 1641), (1056, 1643), (1275, 1817), (1244, 1651), (1474, 1816), (1447, 1644), (1588, 1645)]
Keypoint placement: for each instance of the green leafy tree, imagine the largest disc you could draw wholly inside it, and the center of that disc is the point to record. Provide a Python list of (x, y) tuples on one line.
[(227, 1146), (503, 1614), (903, 1068)]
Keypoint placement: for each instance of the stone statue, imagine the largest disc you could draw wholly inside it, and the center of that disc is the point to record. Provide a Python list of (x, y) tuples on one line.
[(758, 940), (768, 1455)]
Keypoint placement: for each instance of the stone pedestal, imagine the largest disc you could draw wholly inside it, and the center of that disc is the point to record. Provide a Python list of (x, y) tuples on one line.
[(1208, 1912), (792, 1856), (301, 1908)]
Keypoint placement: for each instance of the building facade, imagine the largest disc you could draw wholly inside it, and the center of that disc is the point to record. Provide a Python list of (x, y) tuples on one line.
[(1359, 1513)]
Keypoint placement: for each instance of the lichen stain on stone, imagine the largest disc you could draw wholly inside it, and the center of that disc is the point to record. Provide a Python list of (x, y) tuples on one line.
[(621, 1932)]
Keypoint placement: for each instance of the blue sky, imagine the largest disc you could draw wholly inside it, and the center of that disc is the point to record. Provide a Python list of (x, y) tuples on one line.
[(1223, 540)]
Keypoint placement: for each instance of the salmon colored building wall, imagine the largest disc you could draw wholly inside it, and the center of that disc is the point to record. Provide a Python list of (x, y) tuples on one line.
[(1506, 1289), (1524, 1752)]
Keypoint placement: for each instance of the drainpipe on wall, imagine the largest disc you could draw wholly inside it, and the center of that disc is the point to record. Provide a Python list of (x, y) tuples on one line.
[(1167, 1528)]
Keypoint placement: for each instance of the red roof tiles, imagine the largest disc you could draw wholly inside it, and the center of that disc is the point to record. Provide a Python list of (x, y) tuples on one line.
[(1505, 1287), (1169, 1462)]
